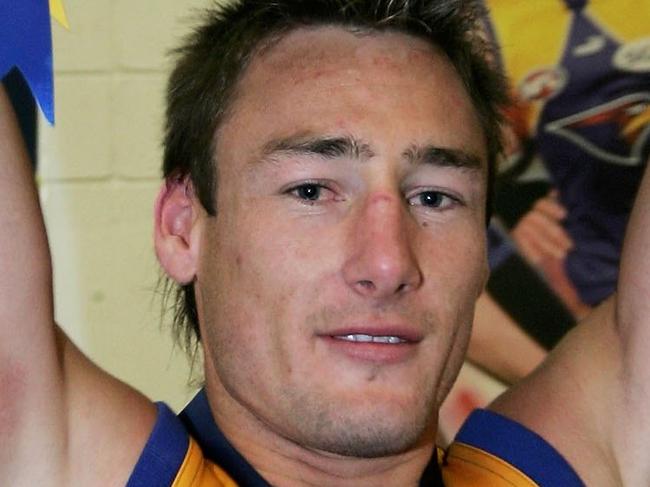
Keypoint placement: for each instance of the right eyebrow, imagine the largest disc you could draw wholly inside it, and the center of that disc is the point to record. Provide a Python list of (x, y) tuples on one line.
[(320, 146)]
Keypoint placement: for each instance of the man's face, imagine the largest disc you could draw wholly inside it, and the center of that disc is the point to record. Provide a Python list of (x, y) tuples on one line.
[(337, 282)]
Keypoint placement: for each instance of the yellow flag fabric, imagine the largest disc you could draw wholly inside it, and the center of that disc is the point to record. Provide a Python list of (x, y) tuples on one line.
[(58, 13)]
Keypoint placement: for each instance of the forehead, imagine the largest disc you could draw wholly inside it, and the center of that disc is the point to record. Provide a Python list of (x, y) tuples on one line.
[(327, 50), (330, 80)]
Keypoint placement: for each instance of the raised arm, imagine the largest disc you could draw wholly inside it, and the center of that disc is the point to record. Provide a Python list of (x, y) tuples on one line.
[(30, 370), (499, 345), (61, 418), (632, 313), (591, 397)]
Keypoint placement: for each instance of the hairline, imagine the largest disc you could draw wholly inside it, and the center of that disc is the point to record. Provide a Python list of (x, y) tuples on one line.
[(267, 43)]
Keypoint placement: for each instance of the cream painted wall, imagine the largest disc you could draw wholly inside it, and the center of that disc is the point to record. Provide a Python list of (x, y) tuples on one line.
[(99, 175)]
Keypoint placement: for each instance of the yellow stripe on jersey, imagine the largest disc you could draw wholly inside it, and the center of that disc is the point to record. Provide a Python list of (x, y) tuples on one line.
[(196, 471), (466, 466), (462, 466)]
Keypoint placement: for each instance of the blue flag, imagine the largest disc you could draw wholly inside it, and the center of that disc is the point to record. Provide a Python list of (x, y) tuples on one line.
[(26, 44)]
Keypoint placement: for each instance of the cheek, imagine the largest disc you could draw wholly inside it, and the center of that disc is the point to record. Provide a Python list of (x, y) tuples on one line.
[(254, 283), (460, 254), (455, 274), (240, 338), (458, 279)]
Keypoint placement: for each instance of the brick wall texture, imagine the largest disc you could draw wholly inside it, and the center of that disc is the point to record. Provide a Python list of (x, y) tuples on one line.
[(99, 174)]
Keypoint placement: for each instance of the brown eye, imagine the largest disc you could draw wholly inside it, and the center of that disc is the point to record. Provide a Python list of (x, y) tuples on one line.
[(436, 200), (309, 192), (432, 199)]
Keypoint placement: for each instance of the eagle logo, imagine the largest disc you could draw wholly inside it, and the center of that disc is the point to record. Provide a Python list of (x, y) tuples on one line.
[(615, 132)]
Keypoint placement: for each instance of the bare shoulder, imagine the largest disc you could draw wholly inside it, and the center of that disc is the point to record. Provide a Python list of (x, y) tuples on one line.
[(67, 422), (109, 423), (570, 398)]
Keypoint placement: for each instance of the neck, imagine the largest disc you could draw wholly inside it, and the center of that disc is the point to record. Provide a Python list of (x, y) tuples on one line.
[(284, 463)]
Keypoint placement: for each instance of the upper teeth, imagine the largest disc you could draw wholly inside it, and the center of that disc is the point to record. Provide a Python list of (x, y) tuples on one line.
[(370, 338)]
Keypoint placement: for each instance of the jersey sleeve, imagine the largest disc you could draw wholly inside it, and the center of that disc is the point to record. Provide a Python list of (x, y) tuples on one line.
[(491, 449), (171, 458)]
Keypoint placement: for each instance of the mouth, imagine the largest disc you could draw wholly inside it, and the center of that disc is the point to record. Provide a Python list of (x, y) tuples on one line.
[(379, 346), (361, 338)]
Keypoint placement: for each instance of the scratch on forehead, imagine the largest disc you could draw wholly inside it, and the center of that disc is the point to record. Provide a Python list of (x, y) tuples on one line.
[(326, 147)]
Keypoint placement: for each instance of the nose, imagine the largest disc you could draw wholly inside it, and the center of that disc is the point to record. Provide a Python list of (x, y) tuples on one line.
[(381, 261)]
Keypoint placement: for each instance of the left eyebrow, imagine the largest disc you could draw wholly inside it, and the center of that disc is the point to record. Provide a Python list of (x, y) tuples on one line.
[(442, 157)]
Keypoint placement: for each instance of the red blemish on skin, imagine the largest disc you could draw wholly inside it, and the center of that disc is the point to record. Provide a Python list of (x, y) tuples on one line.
[(307, 75), (417, 56), (319, 73), (466, 401), (383, 61), (381, 198)]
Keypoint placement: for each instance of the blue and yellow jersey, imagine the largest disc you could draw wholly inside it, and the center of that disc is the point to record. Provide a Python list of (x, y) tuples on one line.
[(490, 450), (580, 75)]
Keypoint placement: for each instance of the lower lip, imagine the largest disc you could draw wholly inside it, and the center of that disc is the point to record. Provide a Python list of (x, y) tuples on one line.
[(376, 353)]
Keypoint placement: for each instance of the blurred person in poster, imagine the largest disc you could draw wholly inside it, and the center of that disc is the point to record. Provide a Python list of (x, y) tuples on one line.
[(577, 144), (580, 80)]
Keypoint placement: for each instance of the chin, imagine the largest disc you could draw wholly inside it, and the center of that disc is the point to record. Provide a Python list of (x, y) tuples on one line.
[(367, 429), (380, 439)]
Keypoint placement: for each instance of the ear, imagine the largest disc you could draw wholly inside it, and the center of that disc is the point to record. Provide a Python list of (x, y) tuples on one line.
[(177, 229)]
